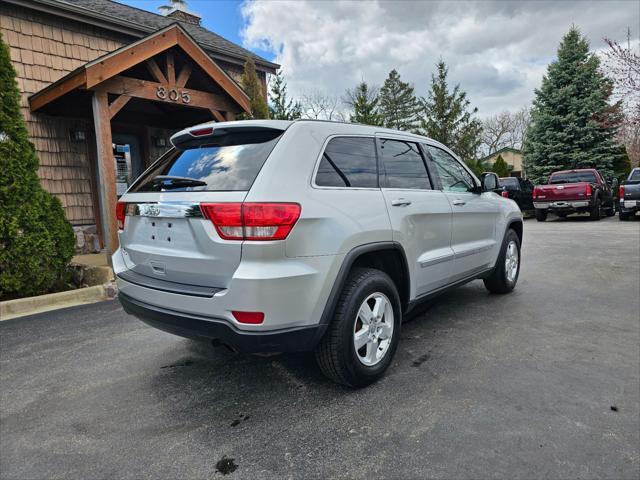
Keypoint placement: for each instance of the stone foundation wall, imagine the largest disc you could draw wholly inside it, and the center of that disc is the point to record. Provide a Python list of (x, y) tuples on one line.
[(87, 240)]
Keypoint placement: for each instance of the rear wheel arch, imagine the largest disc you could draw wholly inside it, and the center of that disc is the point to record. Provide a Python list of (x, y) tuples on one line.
[(388, 257), (517, 226)]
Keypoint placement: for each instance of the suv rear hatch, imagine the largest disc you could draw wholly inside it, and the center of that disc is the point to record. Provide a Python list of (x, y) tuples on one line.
[(165, 238)]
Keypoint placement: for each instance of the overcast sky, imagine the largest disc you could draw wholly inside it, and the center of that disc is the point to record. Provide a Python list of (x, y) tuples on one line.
[(497, 50)]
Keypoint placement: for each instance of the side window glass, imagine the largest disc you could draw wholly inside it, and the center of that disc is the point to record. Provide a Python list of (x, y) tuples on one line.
[(403, 165), (453, 176), (348, 162)]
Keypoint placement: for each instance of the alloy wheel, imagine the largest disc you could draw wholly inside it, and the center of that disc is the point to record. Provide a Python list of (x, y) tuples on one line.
[(373, 329), (511, 261)]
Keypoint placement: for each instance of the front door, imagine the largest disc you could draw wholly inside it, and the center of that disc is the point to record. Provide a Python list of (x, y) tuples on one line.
[(420, 216), (473, 237)]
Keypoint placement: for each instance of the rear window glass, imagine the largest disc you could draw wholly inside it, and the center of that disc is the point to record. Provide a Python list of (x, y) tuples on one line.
[(635, 176), (208, 167), (511, 183), (573, 177), (348, 162)]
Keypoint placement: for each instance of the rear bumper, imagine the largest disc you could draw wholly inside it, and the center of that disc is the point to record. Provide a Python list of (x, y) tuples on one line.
[(297, 339), (629, 206), (564, 206)]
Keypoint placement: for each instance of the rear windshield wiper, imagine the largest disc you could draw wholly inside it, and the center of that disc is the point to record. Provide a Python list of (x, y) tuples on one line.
[(170, 181)]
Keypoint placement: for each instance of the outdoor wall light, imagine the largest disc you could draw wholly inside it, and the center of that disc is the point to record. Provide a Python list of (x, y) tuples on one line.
[(77, 135)]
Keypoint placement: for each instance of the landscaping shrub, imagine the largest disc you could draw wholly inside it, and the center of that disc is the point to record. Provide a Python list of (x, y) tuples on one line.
[(36, 241)]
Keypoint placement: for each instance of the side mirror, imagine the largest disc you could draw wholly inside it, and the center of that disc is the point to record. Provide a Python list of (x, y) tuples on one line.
[(489, 181)]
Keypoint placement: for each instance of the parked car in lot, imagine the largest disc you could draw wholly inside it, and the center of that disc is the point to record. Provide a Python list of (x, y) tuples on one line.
[(308, 235), (629, 195), (519, 190), (574, 191)]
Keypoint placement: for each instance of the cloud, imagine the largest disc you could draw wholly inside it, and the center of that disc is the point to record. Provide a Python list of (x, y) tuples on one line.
[(497, 50)]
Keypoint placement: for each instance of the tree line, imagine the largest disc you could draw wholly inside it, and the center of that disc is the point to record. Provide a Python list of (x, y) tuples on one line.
[(574, 121)]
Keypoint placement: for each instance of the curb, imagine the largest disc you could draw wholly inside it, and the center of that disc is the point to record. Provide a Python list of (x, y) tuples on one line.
[(54, 301)]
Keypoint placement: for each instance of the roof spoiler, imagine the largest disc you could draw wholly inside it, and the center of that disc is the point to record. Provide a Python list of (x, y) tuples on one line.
[(225, 134)]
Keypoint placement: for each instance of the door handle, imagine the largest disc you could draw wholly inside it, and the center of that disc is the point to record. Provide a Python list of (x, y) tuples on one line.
[(459, 202), (400, 202)]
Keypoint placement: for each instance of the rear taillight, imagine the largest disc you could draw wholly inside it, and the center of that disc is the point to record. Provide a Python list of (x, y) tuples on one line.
[(621, 191), (536, 192), (120, 214), (252, 221), (505, 194), (587, 190)]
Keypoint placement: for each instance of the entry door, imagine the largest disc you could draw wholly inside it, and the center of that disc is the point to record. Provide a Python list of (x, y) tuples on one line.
[(473, 237), (132, 141), (420, 216)]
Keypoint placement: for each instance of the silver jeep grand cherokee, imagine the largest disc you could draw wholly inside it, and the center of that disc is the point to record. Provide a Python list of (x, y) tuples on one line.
[(308, 235)]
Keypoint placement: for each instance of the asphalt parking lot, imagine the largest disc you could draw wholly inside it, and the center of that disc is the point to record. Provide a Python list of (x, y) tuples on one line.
[(543, 382)]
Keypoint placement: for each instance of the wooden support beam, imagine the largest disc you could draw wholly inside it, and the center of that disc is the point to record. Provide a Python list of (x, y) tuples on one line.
[(106, 170), (217, 115), (158, 92), (183, 78), (213, 70), (229, 116), (43, 97), (171, 69), (119, 61), (155, 71), (117, 104)]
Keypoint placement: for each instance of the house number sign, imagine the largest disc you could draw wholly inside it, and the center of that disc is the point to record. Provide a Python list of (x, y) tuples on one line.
[(173, 94)]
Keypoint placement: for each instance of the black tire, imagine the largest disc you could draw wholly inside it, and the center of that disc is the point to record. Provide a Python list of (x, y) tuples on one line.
[(336, 354), (594, 214), (541, 215), (611, 211), (562, 215), (623, 216), (499, 282)]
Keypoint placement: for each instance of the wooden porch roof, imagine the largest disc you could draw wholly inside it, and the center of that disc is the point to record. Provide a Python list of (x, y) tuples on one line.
[(95, 72)]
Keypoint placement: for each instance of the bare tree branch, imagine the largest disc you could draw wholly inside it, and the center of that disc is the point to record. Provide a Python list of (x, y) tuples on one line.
[(506, 129), (318, 105)]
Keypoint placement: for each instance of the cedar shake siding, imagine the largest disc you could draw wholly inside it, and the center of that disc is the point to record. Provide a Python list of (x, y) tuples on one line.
[(45, 47)]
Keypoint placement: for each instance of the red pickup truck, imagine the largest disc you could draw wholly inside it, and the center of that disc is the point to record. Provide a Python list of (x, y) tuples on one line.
[(574, 191)]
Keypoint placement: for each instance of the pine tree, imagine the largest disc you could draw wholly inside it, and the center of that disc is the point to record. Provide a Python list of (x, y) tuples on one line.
[(572, 123), (399, 107), (447, 118), (253, 89), (500, 167), (363, 101), (281, 107), (36, 241)]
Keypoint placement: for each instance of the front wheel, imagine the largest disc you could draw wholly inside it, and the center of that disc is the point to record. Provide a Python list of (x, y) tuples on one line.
[(541, 215), (505, 274), (360, 342)]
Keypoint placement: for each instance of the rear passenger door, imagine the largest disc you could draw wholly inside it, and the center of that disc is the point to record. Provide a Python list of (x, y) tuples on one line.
[(475, 215), (420, 216)]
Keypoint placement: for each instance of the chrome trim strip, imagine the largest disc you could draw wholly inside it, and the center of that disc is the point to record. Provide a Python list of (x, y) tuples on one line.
[(164, 210), (473, 251), (435, 261)]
